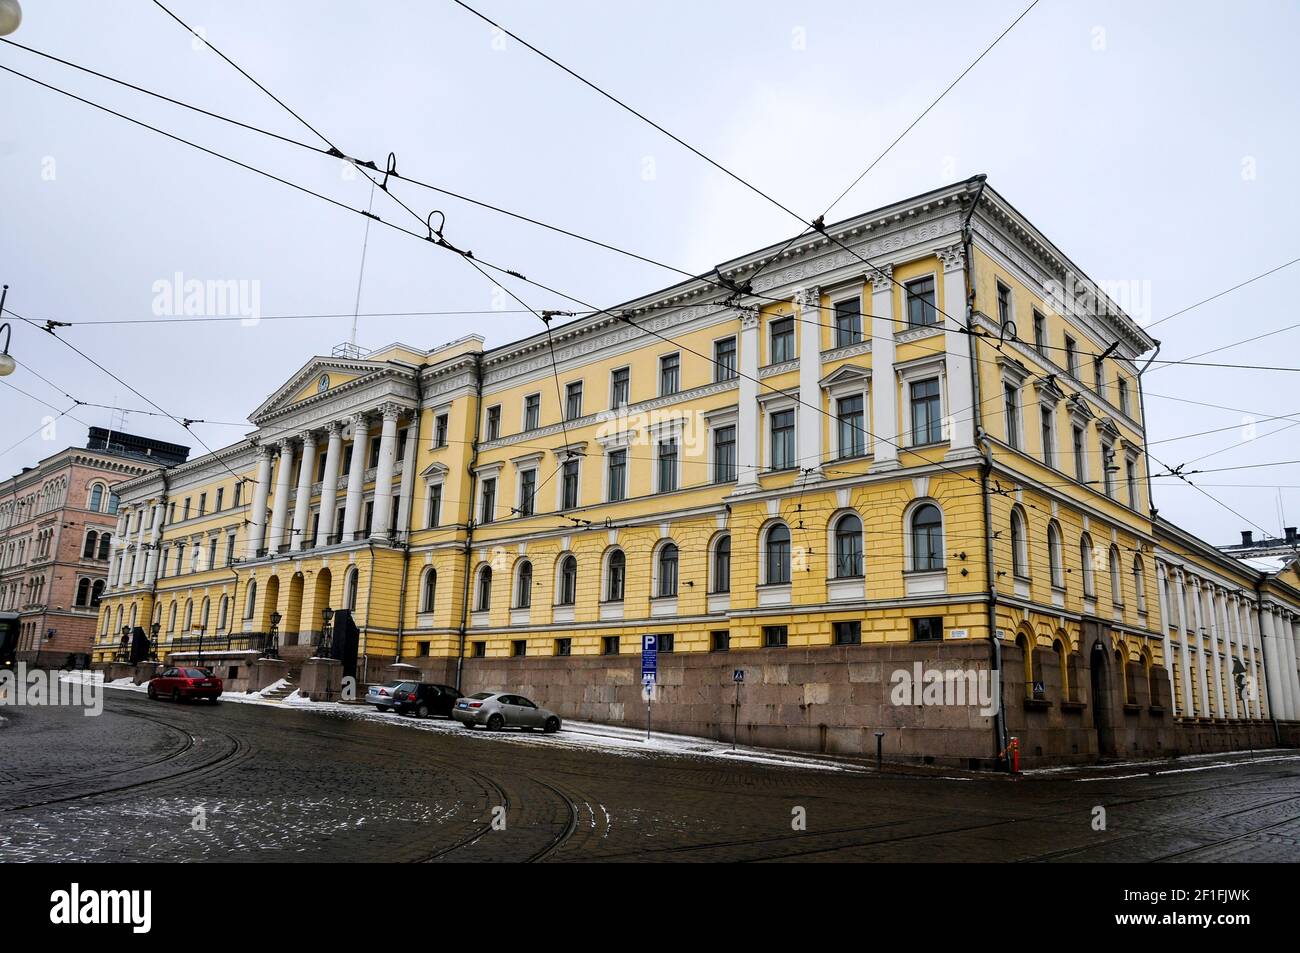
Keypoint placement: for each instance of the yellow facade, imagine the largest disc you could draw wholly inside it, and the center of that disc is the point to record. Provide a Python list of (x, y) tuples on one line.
[(1063, 544)]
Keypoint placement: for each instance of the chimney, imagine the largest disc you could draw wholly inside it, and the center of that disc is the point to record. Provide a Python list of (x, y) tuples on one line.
[(1247, 537), (1290, 536)]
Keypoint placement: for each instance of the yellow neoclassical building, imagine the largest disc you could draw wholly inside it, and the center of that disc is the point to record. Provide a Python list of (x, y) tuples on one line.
[(912, 442)]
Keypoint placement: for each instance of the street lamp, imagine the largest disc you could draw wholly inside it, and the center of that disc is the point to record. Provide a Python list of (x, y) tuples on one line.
[(7, 363), (273, 637), (153, 641), (324, 648), (10, 16), (124, 650)]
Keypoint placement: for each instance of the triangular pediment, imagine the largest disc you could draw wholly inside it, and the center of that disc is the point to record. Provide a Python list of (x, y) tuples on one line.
[(845, 374), (305, 385)]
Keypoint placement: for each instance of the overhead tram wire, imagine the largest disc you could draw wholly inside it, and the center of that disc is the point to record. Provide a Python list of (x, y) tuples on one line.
[(685, 273)]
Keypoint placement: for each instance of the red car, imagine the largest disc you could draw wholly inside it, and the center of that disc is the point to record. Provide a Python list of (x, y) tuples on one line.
[(179, 684)]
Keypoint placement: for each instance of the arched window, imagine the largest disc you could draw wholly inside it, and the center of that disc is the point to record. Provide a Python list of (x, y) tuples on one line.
[(776, 552), (927, 537), (1085, 560), (104, 540), (189, 615), (722, 565), (96, 592), (615, 576), (568, 590), (1027, 657), (114, 501), (1054, 556), (483, 596), (848, 546), (171, 617), (428, 589), (1116, 578), (88, 550), (96, 497), (250, 601), (83, 592), (223, 612), (350, 589), (666, 563), (1019, 545), (1140, 584), (1062, 668), (524, 585)]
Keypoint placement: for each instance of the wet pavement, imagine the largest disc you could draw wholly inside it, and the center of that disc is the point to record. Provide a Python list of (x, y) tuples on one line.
[(161, 781)]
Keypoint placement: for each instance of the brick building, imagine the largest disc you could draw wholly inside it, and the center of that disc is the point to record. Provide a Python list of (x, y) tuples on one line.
[(57, 521)]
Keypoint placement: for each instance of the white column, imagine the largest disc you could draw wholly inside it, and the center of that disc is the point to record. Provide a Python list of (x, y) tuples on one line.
[(808, 430), (1295, 675), (1256, 652), (1230, 680), (748, 444), (884, 381), (356, 478), (1198, 615), (330, 482), (1210, 599), (1162, 593), (1189, 695), (382, 522), (137, 567), (961, 398), (1272, 663), (302, 498), (280, 505), (257, 510), (409, 457), (155, 554)]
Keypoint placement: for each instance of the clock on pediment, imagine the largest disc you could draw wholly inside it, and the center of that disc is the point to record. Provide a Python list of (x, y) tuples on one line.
[(323, 384)]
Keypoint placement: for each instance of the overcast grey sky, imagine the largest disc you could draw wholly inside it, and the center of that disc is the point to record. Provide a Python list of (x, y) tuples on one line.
[(1155, 143)]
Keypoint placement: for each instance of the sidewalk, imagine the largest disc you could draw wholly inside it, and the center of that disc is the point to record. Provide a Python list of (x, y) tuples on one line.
[(1186, 764)]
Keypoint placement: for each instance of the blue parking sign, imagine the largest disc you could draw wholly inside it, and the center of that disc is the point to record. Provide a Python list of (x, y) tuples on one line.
[(649, 655)]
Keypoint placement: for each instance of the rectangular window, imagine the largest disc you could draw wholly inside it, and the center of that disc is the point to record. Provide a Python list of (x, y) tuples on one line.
[(617, 475), (926, 426), (532, 411), (1108, 469), (848, 322), (435, 505), (1011, 404), (221, 494), (373, 446), (922, 310), (370, 517), (1123, 395), (570, 485), (519, 647), (724, 359), (720, 641), (851, 426), (527, 491), (665, 642), (440, 431), (1048, 436), (1099, 376), (185, 509), (1079, 447), (782, 440), (489, 501), (1130, 476), (848, 633), (724, 455), (667, 465), (480, 650), (573, 400), (212, 553), (670, 367), (775, 636), (1004, 304), (320, 473), (1071, 358), (1040, 332), (927, 629), (782, 330), (203, 503), (620, 387), (564, 647), (494, 422), (230, 549), (609, 645)]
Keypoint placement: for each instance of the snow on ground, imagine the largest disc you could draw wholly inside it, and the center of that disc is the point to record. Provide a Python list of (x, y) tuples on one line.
[(627, 742)]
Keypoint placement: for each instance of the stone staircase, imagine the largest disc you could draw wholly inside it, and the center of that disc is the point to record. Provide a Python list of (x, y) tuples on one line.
[(288, 688)]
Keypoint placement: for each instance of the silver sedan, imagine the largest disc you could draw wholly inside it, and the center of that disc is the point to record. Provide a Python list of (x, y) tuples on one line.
[(499, 710)]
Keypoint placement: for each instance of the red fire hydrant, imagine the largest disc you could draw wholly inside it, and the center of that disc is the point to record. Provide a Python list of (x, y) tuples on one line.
[(1013, 754)]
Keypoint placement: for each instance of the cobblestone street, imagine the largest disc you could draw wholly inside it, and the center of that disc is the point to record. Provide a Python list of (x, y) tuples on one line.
[(267, 784)]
